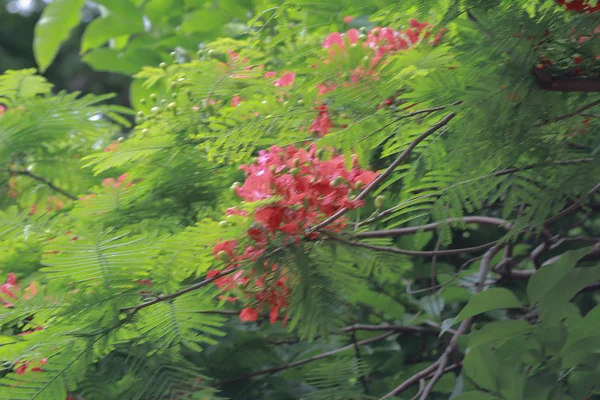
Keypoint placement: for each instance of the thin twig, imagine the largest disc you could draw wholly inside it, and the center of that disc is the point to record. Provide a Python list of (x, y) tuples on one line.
[(410, 252), (362, 378), (306, 360), (400, 329), (42, 180), (569, 115), (440, 365), (188, 289), (403, 157), (433, 226), (463, 327), (532, 166), (573, 207)]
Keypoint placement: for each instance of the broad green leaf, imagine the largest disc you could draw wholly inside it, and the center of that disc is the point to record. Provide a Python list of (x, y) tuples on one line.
[(550, 280), (53, 28), (105, 59), (498, 332), (491, 299), (123, 19), (574, 281), (550, 336), (475, 396), (205, 20), (481, 365)]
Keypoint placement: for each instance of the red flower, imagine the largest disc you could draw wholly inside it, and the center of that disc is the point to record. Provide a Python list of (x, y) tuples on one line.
[(286, 79), (227, 246), (235, 101), (2, 109), (578, 60), (248, 314), (322, 124), (348, 19)]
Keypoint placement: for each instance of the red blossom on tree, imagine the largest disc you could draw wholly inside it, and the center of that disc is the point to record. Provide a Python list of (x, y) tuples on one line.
[(304, 190)]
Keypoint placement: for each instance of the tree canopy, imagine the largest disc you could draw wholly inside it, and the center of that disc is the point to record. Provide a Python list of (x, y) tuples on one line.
[(338, 199)]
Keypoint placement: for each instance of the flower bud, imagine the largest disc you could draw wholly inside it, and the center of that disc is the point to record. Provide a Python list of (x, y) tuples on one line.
[(296, 162), (273, 169), (320, 153), (363, 29), (199, 53), (337, 181), (139, 115), (142, 101), (163, 65), (358, 184), (306, 203), (153, 96), (235, 186), (223, 224), (155, 110), (223, 256), (352, 198), (211, 54), (172, 106), (294, 172), (174, 54), (379, 201)]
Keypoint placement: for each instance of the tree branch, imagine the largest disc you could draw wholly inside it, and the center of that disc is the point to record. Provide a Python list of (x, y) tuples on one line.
[(42, 180), (410, 252), (532, 166), (403, 157), (306, 360), (400, 329), (440, 365), (569, 115), (464, 326), (135, 309), (433, 226), (573, 206), (362, 378)]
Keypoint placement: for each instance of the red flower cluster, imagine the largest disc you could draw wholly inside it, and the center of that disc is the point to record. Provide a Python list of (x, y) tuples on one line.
[(10, 290), (580, 6), (357, 56), (111, 182), (379, 41), (302, 190)]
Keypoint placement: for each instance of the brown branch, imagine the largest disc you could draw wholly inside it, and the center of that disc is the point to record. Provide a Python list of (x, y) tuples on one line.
[(405, 252), (306, 360), (570, 115), (440, 365), (433, 226), (573, 206), (547, 82), (400, 329), (42, 180), (362, 378), (135, 309), (403, 157), (428, 110), (532, 166)]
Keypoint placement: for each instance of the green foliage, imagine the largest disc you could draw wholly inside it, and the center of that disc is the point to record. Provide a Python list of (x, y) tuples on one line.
[(110, 226)]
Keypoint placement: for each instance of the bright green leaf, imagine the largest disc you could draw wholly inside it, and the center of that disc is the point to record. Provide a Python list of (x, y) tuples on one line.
[(53, 28), (205, 20)]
